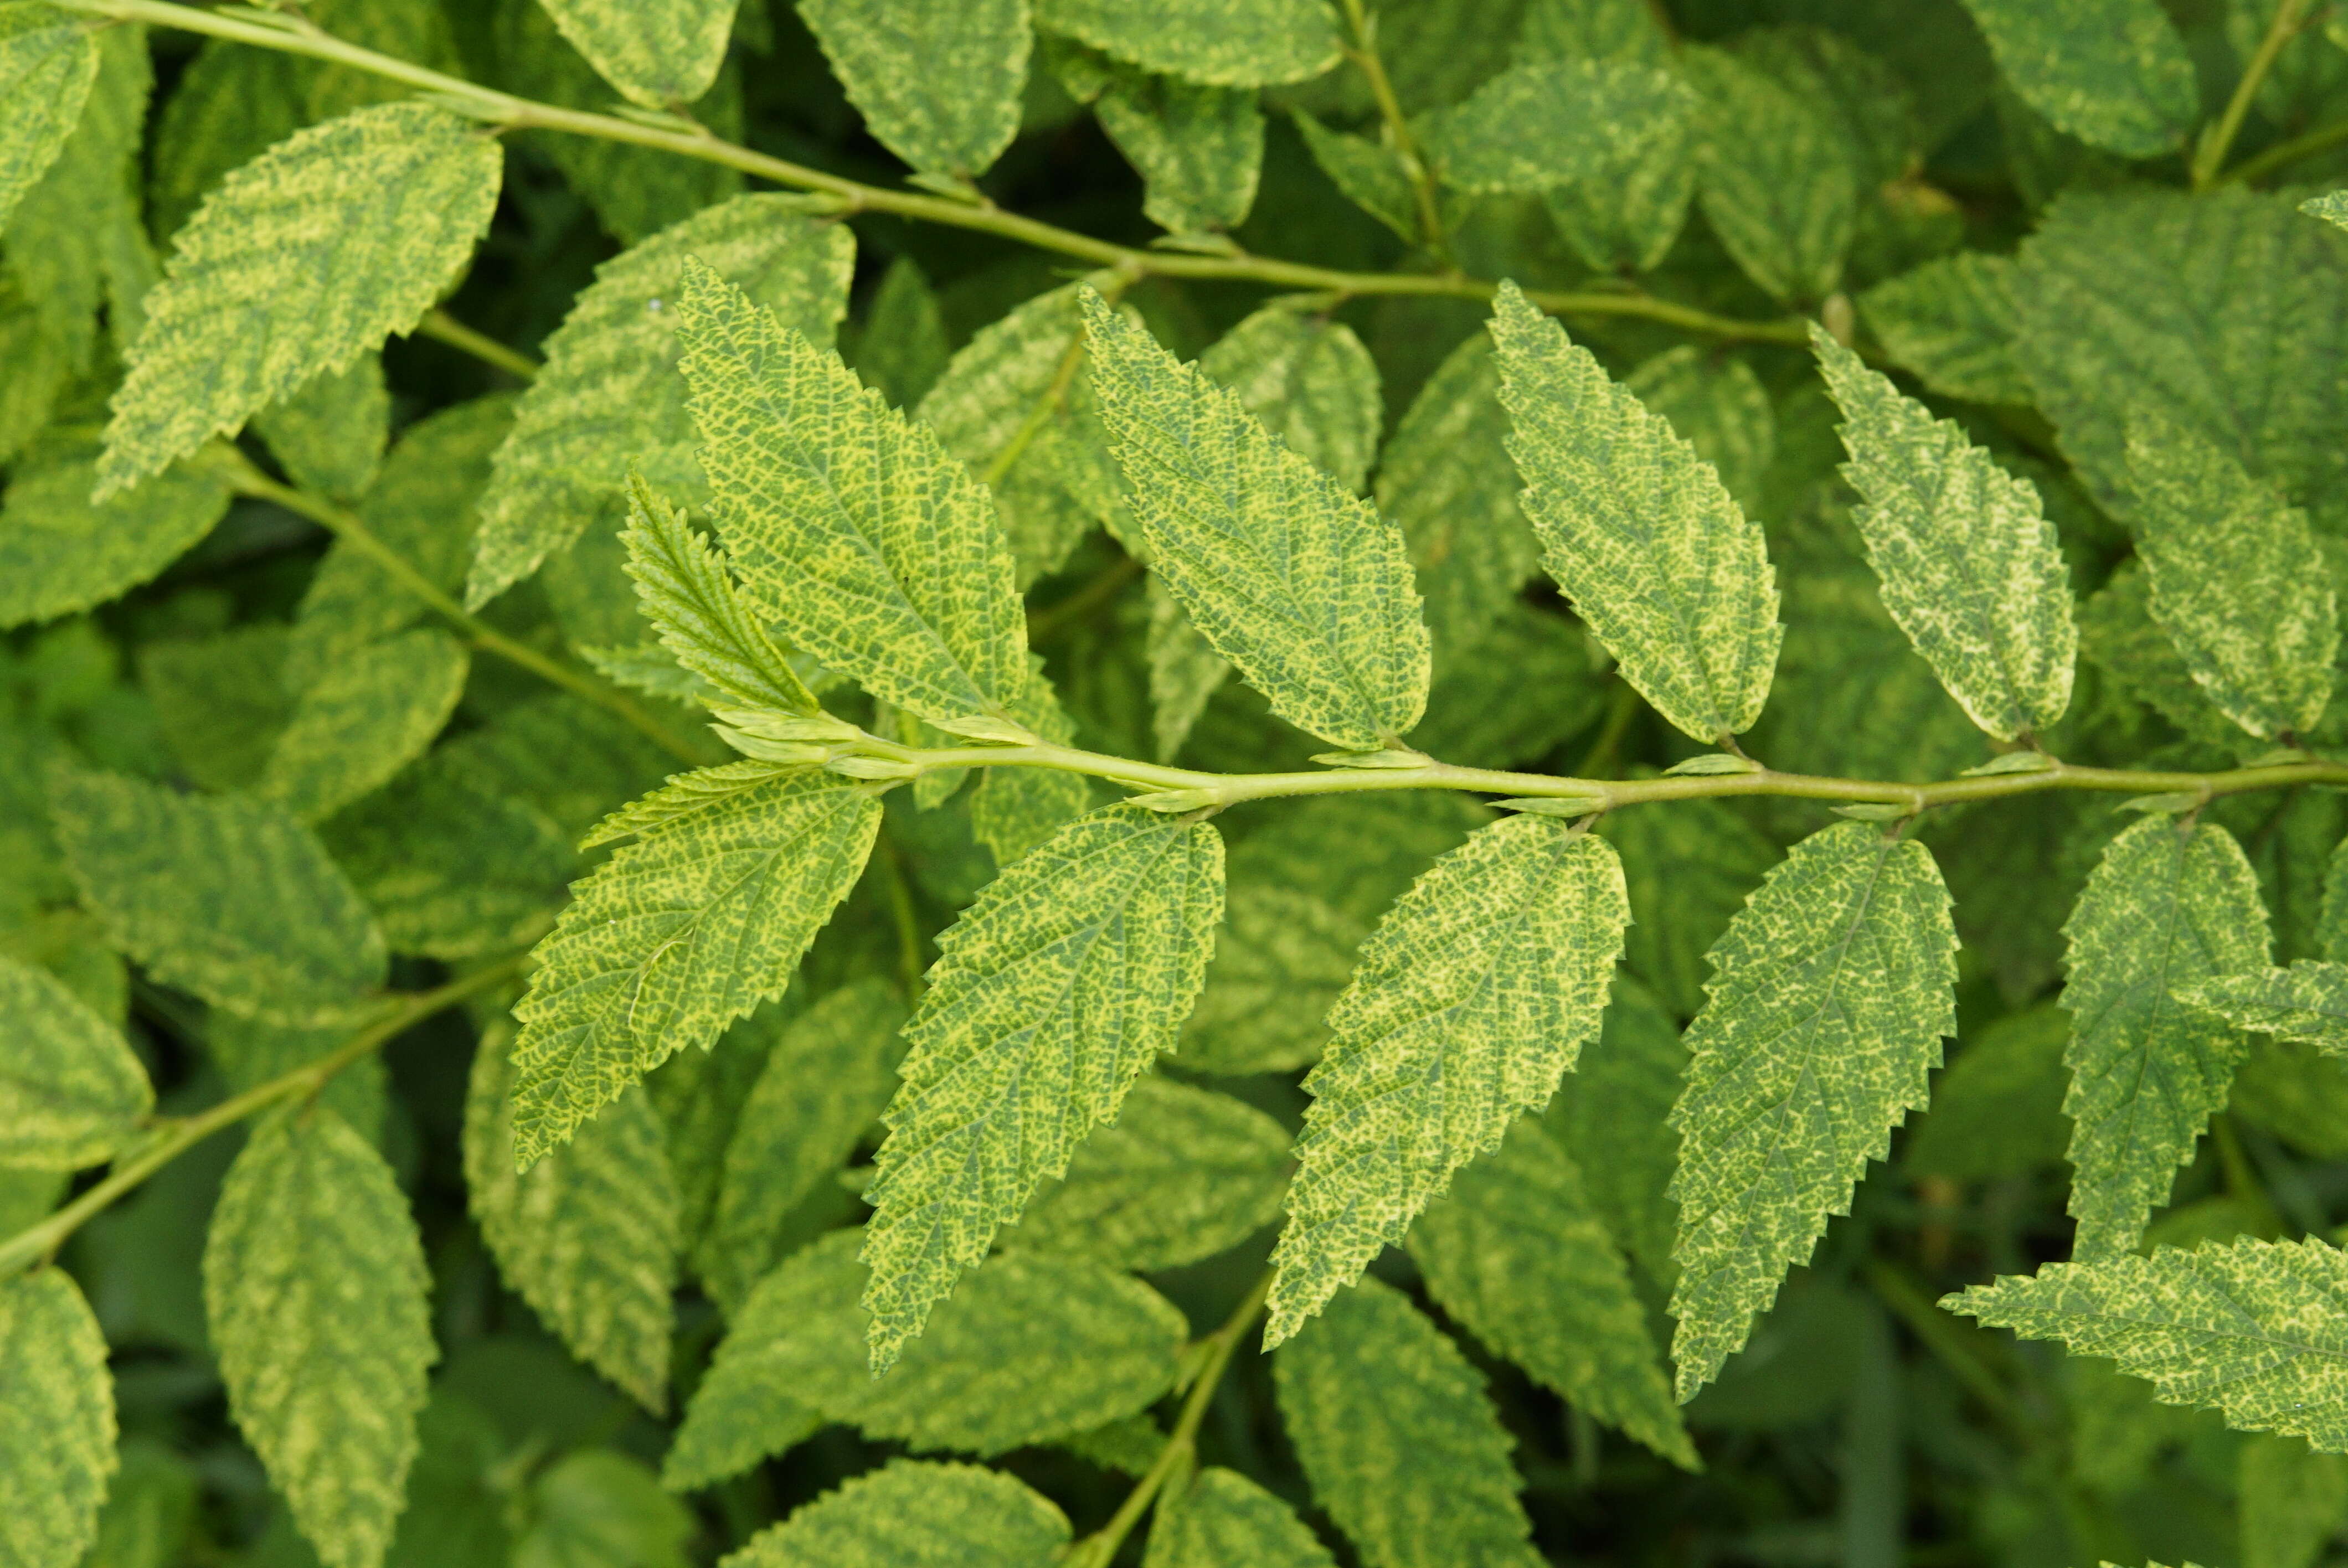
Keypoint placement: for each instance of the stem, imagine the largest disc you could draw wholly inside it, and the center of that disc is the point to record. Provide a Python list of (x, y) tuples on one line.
[(40, 1242), (248, 480), (2258, 166), (442, 327), (2211, 157), (1057, 617), (292, 34), (1947, 1340), (1363, 53), (911, 970), (2242, 1182)]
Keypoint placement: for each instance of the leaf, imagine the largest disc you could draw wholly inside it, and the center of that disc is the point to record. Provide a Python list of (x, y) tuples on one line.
[(909, 1514), (2291, 1499), (660, 53), (675, 937), (362, 720), (2165, 906), (1015, 808), (59, 554), (938, 82), (689, 597), (1996, 1111), (71, 1093), (1830, 993), (1475, 995), (2118, 634), (1720, 408), (56, 1450), (48, 59), (1030, 1349), (2306, 1002), (1300, 585), (1970, 568), (1953, 321), (2251, 1329), (1181, 1175), (250, 1053), (1223, 1518), (282, 274), (315, 1287), (1688, 867), (1639, 531), (1516, 1251), (1371, 176), (1611, 1116), (1779, 182), (588, 1235), (848, 525), (1413, 1463), (597, 1508), (2237, 580), (2113, 73), (1219, 42), (904, 347), (230, 898), (76, 238), (330, 434), (1308, 381), (1199, 149), (609, 395), (1075, 967), (1553, 122)]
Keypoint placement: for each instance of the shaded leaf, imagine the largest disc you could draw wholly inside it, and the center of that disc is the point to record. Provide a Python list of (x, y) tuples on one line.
[(938, 82), (2113, 73), (1223, 1518), (2307, 1002), (47, 61), (71, 1091), (1222, 43), (909, 1514), (58, 553), (1555, 122), (363, 719), (56, 1448)]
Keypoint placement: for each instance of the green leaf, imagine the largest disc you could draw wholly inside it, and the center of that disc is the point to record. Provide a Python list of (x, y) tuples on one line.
[(909, 1514), (362, 720), (71, 1093), (2237, 580), (1371, 176), (1689, 867), (1412, 1464), (2118, 634), (1015, 808), (2250, 1329), (314, 1289), (1181, 1175), (330, 434), (902, 348), (1199, 149), (938, 82), (1072, 972), (609, 395), (1779, 182), (1639, 531), (689, 597), (1029, 1349), (1953, 321), (59, 554), (1221, 1518), (1612, 1114), (76, 238), (48, 59), (848, 525), (283, 274), (596, 1508), (2291, 1499), (1830, 993), (1516, 1251), (589, 1235), (2113, 73), (678, 935), (1473, 998), (1996, 1111), (661, 54), (151, 1509), (1302, 587), (219, 701), (1970, 566), (2166, 906), (1719, 408), (56, 1449), (230, 898), (1310, 381), (1554, 122), (2306, 1002), (1220, 43)]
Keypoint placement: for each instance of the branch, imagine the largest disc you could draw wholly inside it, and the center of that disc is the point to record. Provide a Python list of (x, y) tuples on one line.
[(442, 327), (2211, 156), (1363, 53), (2282, 154)]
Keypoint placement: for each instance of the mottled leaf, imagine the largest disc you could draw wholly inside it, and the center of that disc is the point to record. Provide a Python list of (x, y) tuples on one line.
[(330, 433), (71, 1093), (1555, 122), (362, 718), (909, 1514), (47, 61), (2306, 1002), (56, 1445), (660, 53), (938, 81), (688, 595), (1222, 43), (2113, 73), (1221, 1518), (59, 554), (1779, 182), (1953, 323)]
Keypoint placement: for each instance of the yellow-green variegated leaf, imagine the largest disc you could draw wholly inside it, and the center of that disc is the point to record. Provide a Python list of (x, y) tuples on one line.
[(1199, 149), (1553, 122), (1472, 998), (1778, 177), (363, 718), (60, 553), (846, 523), (1296, 581), (2114, 73), (937, 81), (304, 259), (1223, 1518), (1830, 992), (2250, 1329), (681, 933), (1953, 321), (315, 1297), (1072, 972), (1969, 564), (909, 1514), (330, 434), (2306, 1002), (1015, 809), (1219, 42), (2167, 906), (71, 1093), (1639, 531), (47, 61), (686, 592), (663, 54), (57, 1445)]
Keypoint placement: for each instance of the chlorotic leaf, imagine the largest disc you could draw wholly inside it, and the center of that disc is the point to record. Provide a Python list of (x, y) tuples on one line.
[(877, 552), (1953, 321), (60, 553), (362, 718), (1970, 566), (230, 898), (678, 935), (1219, 42), (56, 1448), (2167, 906), (2306, 1002), (690, 599), (938, 81), (1830, 994), (2250, 1329), (660, 53), (1472, 998), (314, 252), (1689, 868), (314, 1289), (47, 61), (909, 1514), (1015, 809), (2290, 1499), (330, 434), (1199, 149), (1778, 183), (1516, 1253), (1371, 176), (1612, 1114), (1293, 580), (1072, 972), (1554, 122), (1639, 531), (1309, 382), (589, 1235), (1412, 1464), (71, 1091), (902, 347), (1223, 1518), (2113, 73)]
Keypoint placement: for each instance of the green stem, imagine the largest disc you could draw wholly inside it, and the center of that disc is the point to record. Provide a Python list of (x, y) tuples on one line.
[(2211, 156), (1949, 1341), (40, 1242), (2242, 1183), (442, 327), (1363, 53), (1056, 618), (912, 971), (2260, 165), (292, 35)]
